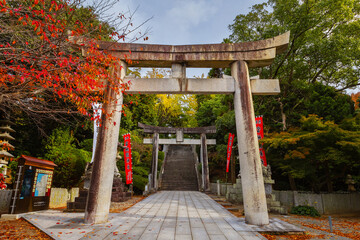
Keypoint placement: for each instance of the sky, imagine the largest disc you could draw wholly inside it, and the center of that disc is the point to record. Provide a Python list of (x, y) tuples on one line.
[(180, 22)]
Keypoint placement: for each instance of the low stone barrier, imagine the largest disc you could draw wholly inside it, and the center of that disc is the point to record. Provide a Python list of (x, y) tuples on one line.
[(325, 203), (5, 200), (60, 196)]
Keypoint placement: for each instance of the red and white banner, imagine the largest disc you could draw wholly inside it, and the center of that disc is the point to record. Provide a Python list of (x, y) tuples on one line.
[(127, 158), (260, 134), (229, 149)]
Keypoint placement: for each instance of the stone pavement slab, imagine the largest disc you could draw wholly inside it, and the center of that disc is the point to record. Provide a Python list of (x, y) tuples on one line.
[(164, 215)]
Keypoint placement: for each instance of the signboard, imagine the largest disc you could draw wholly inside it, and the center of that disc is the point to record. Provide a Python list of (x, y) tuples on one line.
[(229, 149), (34, 186), (127, 158), (260, 134), (42, 183)]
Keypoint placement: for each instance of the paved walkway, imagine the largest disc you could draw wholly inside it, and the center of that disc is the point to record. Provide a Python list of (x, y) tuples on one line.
[(165, 215)]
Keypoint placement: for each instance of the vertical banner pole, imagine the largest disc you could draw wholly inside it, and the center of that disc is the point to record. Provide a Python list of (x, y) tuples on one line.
[(260, 133), (128, 158)]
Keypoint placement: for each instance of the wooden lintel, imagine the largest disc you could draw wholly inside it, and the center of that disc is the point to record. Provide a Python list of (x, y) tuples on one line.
[(187, 141), (198, 86)]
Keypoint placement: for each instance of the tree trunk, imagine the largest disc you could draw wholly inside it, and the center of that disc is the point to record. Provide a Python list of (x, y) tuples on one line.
[(292, 183), (283, 115)]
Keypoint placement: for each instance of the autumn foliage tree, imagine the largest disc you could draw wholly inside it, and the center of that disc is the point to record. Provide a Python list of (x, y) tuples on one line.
[(42, 71)]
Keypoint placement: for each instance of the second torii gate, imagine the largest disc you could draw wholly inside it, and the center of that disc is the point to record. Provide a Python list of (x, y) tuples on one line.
[(238, 56), (203, 142)]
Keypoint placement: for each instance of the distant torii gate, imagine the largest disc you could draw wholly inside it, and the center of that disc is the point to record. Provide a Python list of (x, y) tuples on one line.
[(155, 141), (238, 56)]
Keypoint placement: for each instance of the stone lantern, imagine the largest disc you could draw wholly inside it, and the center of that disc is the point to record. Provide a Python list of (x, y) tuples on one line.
[(351, 183)]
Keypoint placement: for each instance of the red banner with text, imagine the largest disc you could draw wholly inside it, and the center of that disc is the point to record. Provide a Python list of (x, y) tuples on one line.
[(127, 158), (260, 134), (229, 149)]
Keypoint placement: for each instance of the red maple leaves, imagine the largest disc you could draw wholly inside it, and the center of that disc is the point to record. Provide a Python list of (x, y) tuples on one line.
[(39, 59)]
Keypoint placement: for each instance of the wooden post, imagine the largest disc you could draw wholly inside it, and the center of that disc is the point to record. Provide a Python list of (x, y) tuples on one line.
[(99, 196), (205, 165), (154, 164), (250, 165)]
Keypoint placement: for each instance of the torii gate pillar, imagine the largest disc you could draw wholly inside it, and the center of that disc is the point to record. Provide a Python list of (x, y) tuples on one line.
[(255, 207), (99, 196), (154, 163), (205, 164)]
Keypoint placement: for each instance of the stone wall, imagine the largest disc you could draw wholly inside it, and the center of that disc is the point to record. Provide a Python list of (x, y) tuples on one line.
[(60, 196), (5, 200), (232, 192), (326, 203)]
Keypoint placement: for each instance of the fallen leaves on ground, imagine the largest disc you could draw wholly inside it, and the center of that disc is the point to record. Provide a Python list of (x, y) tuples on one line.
[(20, 229), (118, 207), (294, 237), (342, 227)]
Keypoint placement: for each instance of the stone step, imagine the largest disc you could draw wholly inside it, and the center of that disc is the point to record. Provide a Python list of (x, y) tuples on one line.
[(279, 210), (83, 193), (80, 199), (274, 204)]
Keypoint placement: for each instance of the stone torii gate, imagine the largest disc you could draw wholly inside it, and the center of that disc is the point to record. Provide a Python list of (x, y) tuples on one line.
[(155, 141), (238, 56)]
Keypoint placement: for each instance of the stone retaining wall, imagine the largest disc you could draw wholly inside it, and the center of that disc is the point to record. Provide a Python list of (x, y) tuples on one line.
[(325, 203), (5, 200), (60, 196)]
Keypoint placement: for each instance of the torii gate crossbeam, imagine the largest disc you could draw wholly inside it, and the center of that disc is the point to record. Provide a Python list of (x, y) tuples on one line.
[(238, 56)]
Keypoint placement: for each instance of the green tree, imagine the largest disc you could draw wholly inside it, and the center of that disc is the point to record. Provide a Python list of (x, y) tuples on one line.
[(70, 161), (319, 154), (323, 49)]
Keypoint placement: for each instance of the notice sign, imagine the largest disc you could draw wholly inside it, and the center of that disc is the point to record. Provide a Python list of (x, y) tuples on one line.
[(260, 134), (127, 158), (229, 149)]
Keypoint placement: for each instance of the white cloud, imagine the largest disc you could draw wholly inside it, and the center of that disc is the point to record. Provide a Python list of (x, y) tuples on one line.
[(189, 13)]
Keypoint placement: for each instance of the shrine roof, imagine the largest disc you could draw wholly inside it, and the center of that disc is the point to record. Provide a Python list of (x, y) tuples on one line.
[(32, 160)]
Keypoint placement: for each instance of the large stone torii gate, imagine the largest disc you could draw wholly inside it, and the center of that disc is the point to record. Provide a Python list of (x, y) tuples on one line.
[(238, 56)]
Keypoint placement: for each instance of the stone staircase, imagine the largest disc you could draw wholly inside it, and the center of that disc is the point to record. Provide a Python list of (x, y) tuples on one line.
[(179, 170)]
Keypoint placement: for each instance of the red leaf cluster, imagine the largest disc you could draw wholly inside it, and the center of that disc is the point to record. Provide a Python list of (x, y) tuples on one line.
[(39, 58)]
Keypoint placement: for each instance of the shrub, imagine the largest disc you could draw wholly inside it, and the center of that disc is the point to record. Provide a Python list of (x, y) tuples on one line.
[(305, 211), (70, 160)]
